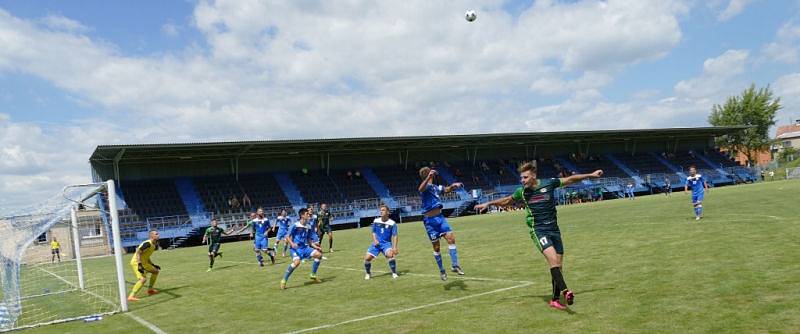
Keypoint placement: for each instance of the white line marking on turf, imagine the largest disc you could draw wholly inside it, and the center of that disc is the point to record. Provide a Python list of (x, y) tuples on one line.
[(413, 274), (410, 309), (150, 326), (145, 323)]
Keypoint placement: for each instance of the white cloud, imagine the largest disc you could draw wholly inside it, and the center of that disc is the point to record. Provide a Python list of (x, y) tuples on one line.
[(58, 22), (786, 46), (726, 11), (352, 69), (717, 75), (170, 30), (787, 88)]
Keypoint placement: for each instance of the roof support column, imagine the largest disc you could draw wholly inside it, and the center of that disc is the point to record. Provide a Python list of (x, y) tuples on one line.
[(117, 158), (328, 165), (406, 162)]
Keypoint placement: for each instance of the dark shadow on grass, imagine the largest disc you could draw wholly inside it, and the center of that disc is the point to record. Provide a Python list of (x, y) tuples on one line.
[(225, 267), (456, 284), (169, 292), (323, 279)]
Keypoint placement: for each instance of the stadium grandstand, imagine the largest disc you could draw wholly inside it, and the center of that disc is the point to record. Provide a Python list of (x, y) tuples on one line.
[(177, 188)]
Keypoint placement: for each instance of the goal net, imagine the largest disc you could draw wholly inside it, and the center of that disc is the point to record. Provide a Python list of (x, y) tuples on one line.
[(793, 173), (54, 260)]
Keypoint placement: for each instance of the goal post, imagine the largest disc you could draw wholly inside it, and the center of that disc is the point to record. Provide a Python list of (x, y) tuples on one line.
[(57, 263)]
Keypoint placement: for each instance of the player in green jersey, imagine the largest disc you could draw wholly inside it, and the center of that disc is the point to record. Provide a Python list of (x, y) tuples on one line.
[(212, 237), (540, 203)]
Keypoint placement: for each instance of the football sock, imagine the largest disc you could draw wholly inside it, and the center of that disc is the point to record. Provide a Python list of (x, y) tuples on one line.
[(330, 243), (153, 278), (699, 210), (211, 261), (259, 258), (368, 267), (136, 288), (289, 271), (558, 279), (393, 266), (453, 255), (315, 266), (556, 293), (438, 257)]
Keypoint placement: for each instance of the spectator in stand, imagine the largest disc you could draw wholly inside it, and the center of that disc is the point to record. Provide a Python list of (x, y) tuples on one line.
[(458, 173), (667, 187), (246, 201), (358, 174), (234, 203), (630, 191), (763, 174), (305, 171), (350, 175)]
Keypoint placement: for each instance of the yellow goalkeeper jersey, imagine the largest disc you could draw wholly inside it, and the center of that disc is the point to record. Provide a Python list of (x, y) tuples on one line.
[(146, 248), (54, 244)]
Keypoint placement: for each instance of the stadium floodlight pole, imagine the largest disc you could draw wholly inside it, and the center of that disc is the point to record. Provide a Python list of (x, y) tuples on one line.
[(76, 242), (112, 208)]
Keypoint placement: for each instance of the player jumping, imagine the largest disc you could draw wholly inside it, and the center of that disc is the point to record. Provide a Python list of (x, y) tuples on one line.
[(435, 224), (212, 236), (283, 228), (540, 203), (302, 240), (699, 186), (142, 265), (384, 240), (260, 227)]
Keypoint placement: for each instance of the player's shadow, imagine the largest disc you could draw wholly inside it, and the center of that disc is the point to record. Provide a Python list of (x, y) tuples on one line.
[(225, 267), (323, 279), (546, 298), (456, 284), (159, 298)]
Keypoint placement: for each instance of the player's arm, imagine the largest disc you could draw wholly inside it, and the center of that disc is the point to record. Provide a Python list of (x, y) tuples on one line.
[(290, 240), (205, 236), (425, 182), (374, 239), (453, 187), (504, 201), (580, 177)]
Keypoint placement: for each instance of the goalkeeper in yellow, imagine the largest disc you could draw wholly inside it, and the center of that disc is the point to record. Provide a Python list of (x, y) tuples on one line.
[(142, 265)]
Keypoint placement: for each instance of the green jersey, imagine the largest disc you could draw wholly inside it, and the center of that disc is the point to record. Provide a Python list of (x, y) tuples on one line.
[(540, 202), (214, 234)]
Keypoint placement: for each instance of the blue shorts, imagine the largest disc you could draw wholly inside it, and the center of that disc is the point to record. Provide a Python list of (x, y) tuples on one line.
[(302, 252), (436, 227), (261, 243), (377, 250), (697, 198), (281, 234)]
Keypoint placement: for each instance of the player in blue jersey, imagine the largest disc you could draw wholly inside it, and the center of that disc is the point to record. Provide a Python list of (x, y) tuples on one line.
[(384, 240), (301, 239), (282, 222), (699, 186), (260, 228), (435, 224)]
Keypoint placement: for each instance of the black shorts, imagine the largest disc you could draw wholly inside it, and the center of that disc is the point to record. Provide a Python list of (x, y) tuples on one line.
[(547, 238), (326, 228), (56, 251), (213, 248)]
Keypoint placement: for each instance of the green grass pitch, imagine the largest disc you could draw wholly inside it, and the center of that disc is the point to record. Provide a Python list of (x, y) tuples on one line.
[(641, 266)]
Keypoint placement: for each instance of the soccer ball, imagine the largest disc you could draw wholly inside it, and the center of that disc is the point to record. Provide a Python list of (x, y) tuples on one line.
[(471, 15)]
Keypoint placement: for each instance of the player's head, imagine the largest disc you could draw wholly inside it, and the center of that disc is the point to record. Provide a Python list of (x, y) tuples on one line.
[(283, 213), (260, 212), (154, 235), (527, 174), (384, 211), (54, 239), (214, 222), (252, 215), (324, 206), (423, 172), (303, 214), (310, 209), (692, 169)]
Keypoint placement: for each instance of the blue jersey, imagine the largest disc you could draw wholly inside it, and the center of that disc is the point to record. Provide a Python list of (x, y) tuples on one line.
[(384, 230), (301, 234), (283, 222), (260, 227), (430, 197), (696, 183)]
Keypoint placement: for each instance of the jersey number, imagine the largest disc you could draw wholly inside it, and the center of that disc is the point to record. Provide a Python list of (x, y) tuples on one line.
[(543, 241)]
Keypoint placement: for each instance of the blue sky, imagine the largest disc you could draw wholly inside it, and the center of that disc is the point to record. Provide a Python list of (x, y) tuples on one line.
[(74, 75)]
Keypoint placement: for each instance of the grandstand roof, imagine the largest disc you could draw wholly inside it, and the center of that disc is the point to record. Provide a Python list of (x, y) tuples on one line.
[(217, 150)]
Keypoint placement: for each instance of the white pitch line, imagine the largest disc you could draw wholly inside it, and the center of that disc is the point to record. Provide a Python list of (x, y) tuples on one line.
[(149, 325), (418, 275), (410, 309)]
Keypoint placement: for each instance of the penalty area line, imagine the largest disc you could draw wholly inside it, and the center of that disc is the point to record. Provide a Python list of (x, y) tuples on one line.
[(455, 300)]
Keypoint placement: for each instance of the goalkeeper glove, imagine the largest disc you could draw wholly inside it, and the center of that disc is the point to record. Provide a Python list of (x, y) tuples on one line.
[(141, 268)]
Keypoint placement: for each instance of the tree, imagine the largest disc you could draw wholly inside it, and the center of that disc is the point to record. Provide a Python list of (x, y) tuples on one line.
[(753, 108)]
